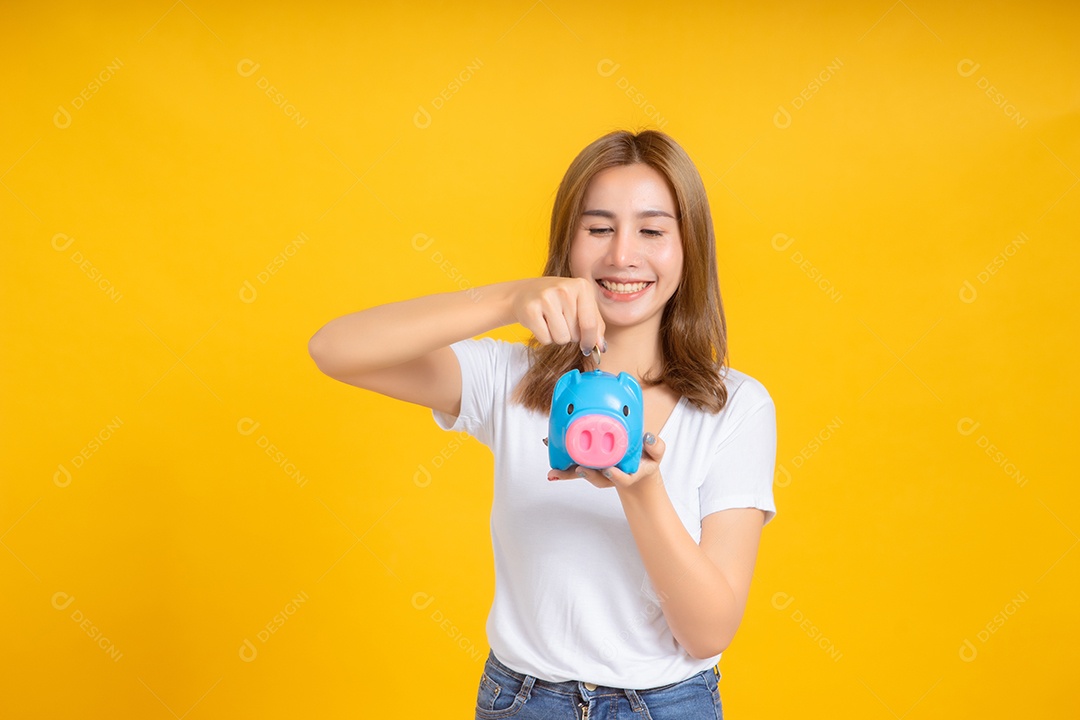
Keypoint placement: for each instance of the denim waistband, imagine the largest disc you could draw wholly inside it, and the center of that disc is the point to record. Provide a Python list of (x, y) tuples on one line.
[(575, 687)]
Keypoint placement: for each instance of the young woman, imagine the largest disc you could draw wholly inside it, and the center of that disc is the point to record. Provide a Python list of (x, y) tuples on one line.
[(615, 594)]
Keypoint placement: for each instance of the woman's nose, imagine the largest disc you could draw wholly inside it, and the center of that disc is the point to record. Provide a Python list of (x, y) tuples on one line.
[(624, 250)]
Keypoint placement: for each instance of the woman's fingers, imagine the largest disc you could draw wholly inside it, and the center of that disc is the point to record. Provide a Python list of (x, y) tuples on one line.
[(589, 320), (555, 474), (532, 317), (652, 453), (560, 316), (654, 447), (544, 313), (561, 310), (576, 472)]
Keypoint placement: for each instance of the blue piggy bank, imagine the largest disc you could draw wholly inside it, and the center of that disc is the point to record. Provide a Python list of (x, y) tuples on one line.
[(597, 420)]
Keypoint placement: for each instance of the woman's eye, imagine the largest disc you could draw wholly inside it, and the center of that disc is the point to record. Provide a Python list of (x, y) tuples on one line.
[(604, 231)]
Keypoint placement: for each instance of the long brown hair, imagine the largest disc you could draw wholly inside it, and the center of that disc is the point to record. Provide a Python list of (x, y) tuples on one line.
[(693, 331)]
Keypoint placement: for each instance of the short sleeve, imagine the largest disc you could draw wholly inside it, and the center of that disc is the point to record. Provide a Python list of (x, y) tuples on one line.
[(478, 359), (741, 472)]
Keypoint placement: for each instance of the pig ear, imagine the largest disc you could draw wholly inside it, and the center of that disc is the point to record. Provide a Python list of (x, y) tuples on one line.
[(627, 381), (568, 379)]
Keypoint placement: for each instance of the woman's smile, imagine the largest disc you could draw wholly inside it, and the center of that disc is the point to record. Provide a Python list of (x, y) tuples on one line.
[(623, 291)]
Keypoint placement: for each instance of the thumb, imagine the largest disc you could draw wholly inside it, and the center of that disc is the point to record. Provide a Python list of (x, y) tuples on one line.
[(653, 446)]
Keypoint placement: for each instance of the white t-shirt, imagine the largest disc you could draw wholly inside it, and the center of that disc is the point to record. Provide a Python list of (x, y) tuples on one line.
[(573, 600)]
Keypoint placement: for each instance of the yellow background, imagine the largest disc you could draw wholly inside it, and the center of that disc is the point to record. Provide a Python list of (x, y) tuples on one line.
[(173, 242)]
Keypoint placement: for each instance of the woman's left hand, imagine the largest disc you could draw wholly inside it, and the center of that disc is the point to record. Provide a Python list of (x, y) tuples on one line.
[(652, 454)]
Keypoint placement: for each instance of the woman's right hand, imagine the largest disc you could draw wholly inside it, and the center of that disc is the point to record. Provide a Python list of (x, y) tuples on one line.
[(560, 310)]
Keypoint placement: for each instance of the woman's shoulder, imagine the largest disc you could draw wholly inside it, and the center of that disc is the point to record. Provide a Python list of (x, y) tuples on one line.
[(745, 394), (747, 397), (749, 390)]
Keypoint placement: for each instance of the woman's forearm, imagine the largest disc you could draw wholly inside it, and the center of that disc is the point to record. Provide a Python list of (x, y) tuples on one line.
[(395, 333), (696, 599)]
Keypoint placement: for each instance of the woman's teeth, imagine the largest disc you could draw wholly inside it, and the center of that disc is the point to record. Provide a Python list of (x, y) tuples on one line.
[(624, 287)]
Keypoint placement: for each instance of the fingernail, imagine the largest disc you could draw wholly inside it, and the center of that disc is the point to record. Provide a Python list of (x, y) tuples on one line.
[(650, 438), (603, 346), (553, 477), (606, 473), (580, 473), (587, 353)]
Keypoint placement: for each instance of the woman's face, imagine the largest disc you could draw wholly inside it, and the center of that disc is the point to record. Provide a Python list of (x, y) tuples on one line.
[(627, 242)]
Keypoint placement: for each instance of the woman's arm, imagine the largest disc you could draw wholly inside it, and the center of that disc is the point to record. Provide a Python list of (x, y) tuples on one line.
[(402, 349), (395, 333), (703, 588)]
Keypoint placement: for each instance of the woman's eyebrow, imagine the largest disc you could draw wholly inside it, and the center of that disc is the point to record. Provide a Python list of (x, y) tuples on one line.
[(643, 214)]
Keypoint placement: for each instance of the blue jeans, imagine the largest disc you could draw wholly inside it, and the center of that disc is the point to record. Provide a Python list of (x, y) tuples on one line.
[(506, 693)]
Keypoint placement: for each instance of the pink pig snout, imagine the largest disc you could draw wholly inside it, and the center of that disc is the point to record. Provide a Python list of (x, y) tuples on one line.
[(596, 441)]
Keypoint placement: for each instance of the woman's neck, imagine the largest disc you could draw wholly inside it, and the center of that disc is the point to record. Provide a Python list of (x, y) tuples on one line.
[(635, 350)]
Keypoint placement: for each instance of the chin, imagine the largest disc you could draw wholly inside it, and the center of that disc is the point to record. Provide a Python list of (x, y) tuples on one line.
[(620, 319)]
